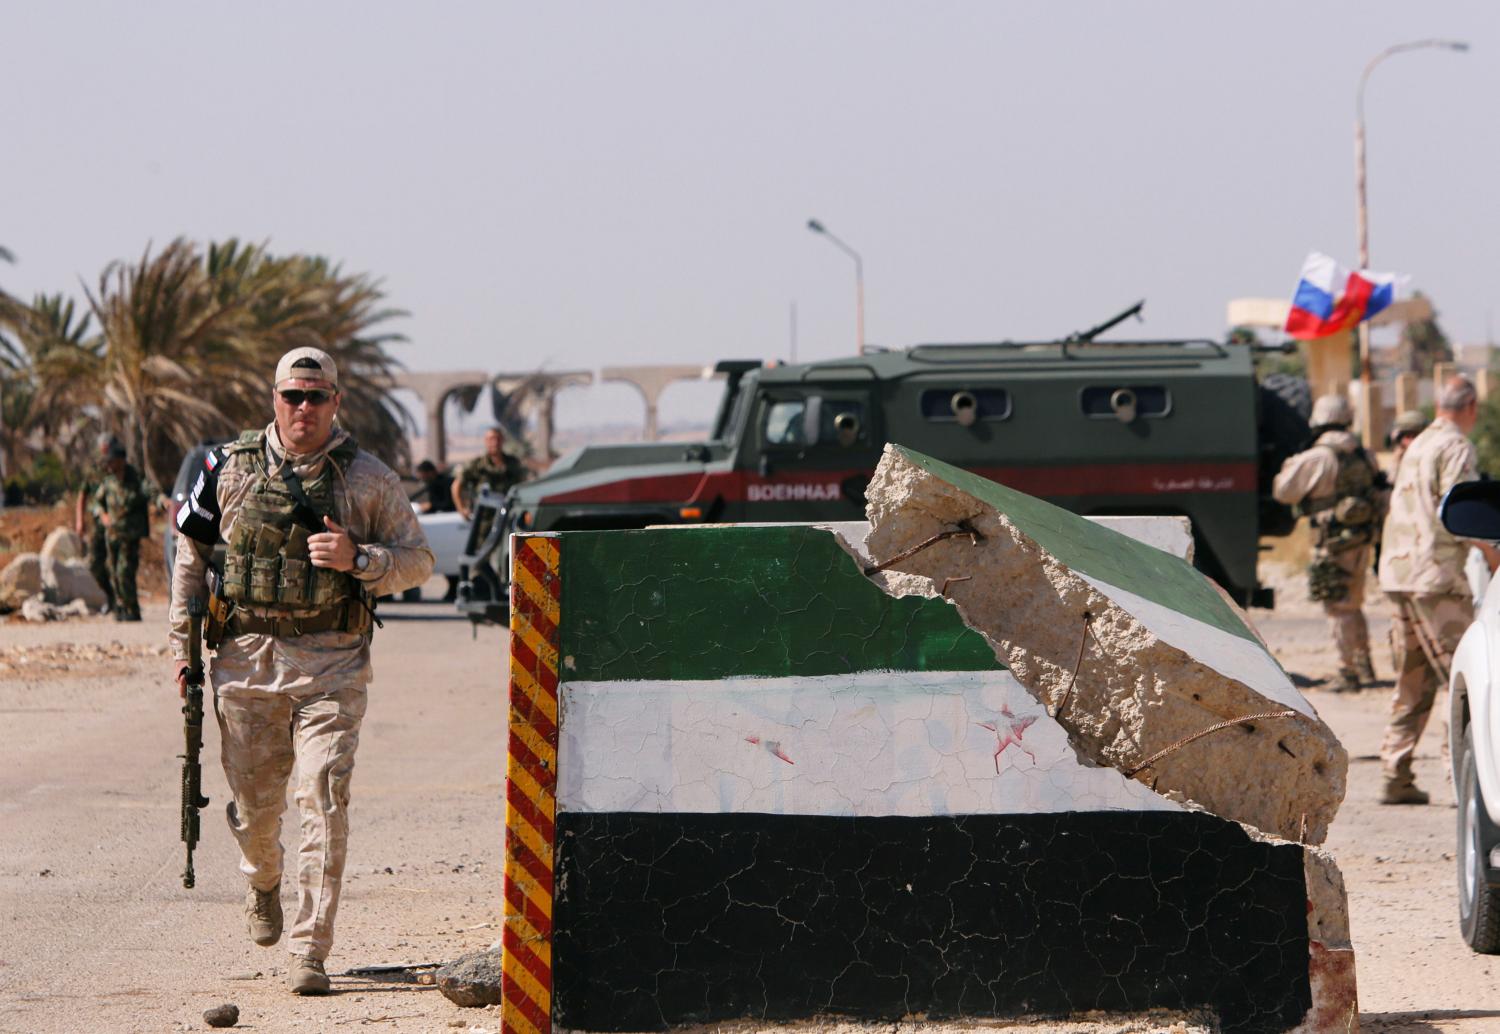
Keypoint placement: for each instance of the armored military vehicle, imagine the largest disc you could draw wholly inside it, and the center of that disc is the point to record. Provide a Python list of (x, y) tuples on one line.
[(1097, 427)]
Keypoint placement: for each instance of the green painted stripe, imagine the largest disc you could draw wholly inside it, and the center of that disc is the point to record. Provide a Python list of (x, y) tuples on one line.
[(1096, 551), (708, 603)]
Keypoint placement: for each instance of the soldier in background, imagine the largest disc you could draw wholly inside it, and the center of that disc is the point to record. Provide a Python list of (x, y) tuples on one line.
[(94, 540), (1337, 485), (496, 470), (121, 504), (436, 493), (1404, 430), (1422, 571)]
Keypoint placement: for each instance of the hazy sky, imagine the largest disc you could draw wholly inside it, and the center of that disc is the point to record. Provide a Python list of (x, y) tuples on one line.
[(578, 184)]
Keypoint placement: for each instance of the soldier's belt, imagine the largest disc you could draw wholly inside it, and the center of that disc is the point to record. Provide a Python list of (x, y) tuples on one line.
[(351, 617)]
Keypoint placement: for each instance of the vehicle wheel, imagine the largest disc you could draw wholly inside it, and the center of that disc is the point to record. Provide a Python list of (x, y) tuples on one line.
[(1285, 402), (1478, 901)]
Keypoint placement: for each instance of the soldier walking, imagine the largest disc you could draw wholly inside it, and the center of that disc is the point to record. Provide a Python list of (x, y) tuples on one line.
[(121, 506), (1422, 571), (1336, 484), (316, 528)]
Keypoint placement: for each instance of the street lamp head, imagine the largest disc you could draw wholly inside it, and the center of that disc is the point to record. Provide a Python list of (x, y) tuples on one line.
[(1458, 45), (815, 226)]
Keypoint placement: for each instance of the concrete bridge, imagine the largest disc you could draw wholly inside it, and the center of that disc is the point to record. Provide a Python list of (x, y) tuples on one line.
[(533, 395)]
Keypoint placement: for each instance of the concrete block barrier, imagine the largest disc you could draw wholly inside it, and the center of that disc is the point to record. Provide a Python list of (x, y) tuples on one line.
[(745, 781)]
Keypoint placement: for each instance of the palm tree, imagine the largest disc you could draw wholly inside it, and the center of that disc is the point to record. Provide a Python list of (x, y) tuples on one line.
[(46, 351), (307, 300), (176, 346), (192, 339)]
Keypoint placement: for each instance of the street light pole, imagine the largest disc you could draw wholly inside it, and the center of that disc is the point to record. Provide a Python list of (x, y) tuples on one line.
[(1361, 208), (859, 281)]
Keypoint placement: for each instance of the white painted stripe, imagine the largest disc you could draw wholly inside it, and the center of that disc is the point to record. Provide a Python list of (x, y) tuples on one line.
[(1170, 534), (871, 744), (1236, 657)]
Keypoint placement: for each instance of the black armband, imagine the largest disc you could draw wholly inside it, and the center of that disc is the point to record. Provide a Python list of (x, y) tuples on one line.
[(199, 515)]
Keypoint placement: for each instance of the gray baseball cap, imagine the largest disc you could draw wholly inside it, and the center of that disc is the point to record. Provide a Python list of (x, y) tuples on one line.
[(310, 364)]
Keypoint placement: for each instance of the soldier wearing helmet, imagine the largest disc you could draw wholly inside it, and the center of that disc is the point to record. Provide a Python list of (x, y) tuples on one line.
[(1337, 485), (1404, 429)]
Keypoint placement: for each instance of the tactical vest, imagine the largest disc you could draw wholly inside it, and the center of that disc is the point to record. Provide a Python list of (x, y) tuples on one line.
[(1351, 517), (267, 563)]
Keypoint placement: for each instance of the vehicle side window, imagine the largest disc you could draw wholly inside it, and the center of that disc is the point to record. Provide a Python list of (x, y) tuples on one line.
[(785, 422), (1105, 400), (948, 404), (814, 420)]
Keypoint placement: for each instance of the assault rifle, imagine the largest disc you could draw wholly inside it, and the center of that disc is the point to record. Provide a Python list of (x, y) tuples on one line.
[(192, 727)]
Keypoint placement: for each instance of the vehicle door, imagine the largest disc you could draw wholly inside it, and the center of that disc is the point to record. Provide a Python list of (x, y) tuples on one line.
[(816, 448)]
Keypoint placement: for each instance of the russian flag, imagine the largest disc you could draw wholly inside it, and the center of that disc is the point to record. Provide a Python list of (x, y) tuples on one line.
[(1330, 298)]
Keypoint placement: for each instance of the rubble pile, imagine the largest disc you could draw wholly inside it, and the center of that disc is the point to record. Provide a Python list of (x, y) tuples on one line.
[(52, 584), (60, 658)]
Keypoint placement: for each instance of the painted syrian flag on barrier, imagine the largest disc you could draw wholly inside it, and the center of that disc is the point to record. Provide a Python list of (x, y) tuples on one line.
[(745, 782)]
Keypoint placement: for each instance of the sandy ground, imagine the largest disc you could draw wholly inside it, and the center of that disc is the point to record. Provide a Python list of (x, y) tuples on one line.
[(97, 933)]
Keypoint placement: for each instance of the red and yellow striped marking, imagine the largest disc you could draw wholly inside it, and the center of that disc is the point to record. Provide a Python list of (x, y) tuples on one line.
[(530, 786)]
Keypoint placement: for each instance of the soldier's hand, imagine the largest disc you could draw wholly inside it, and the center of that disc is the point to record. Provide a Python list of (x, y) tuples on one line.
[(181, 677), (332, 548), (104, 519)]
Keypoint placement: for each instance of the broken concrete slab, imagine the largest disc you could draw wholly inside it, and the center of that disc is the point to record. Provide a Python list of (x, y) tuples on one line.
[(1150, 668)]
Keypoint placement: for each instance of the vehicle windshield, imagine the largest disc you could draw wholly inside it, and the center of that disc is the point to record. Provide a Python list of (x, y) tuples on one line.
[(732, 408)]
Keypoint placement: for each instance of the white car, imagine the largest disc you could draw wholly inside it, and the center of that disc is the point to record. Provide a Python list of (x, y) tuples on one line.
[(447, 536), (1471, 510)]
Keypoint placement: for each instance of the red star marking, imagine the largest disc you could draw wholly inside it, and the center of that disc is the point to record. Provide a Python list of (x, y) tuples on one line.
[(773, 747), (1008, 729)]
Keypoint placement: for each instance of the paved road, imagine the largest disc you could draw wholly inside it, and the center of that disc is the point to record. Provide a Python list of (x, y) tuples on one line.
[(97, 932)]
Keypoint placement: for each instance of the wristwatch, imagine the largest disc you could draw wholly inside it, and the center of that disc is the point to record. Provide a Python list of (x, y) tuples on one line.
[(361, 559)]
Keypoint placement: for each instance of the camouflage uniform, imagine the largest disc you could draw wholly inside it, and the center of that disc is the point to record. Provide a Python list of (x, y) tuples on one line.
[(298, 698), (1324, 481), (126, 500), (481, 471), (97, 543), (1422, 571), (500, 477)]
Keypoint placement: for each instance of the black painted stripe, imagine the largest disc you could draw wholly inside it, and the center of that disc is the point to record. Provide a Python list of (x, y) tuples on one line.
[(665, 919)]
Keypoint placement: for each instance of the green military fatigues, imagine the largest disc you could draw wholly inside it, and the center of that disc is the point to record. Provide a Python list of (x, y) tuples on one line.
[(98, 544), (126, 500), (482, 472)]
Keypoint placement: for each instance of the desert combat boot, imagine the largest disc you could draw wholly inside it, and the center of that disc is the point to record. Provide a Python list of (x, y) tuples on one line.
[(307, 976), (1403, 790), (263, 911)]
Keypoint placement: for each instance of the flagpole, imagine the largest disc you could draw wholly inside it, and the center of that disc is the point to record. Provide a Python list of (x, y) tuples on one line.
[(1362, 211)]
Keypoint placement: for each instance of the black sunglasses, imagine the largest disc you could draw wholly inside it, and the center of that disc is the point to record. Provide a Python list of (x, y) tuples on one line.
[(294, 397)]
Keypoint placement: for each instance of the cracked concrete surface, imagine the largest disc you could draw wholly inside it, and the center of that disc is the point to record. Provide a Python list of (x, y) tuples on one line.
[(1146, 679)]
